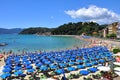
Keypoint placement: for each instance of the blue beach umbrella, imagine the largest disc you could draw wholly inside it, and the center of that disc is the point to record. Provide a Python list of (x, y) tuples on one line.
[(17, 61), (43, 68), (62, 65), (53, 66), (80, 61), (26, 62), (6, 70), (94, 63), (52, 59), (65, 60), (86, 60), (47, 62), (17, 68), (101, 61), (72, 59), (88, 65), (8, 62), (5, 75), (37, 61), (84, 72), (30, 70), (80, 66), (92, 59), (71, 63), (93, 69), (7, 66), (59, 71), (28, 66), (39, 64), (71, 69), (17, 73)]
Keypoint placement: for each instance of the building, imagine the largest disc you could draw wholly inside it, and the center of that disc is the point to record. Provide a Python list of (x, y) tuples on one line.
[(113, 28), (118, 31), (105, 32)]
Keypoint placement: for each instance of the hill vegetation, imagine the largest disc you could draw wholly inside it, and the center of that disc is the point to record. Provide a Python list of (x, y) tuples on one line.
[(78, 28), (38, 30), (90, 28)]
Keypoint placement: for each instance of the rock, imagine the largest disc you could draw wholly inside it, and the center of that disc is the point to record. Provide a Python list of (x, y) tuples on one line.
[(3, 44)]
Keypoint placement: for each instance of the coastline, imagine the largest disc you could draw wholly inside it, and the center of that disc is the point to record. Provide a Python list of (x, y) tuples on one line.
[(89, 42), (7, 53), (25, 49), (110, 44), (92, 42)]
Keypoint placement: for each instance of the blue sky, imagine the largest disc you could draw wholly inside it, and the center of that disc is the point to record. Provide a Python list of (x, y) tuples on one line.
[(52, 13)]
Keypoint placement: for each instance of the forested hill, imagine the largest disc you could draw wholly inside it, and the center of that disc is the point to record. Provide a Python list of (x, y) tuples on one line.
[(78, 28), (68, 29), (38, 30)]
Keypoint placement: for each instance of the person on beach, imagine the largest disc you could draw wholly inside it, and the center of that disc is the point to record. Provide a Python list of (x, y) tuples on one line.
[(64, 78)]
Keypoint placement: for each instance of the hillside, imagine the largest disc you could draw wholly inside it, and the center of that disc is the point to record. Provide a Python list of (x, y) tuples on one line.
[(78, 28), (37, 30), (10, 31), (68, 29)]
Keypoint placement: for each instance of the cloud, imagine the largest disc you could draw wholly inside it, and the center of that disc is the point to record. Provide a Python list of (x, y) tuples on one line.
[(94, 13)]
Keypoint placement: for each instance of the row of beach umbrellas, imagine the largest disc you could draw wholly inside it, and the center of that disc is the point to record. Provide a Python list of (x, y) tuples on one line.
[(81, 58)]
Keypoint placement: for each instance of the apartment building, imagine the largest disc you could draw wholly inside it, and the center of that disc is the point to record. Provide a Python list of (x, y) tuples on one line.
[(113, 28)]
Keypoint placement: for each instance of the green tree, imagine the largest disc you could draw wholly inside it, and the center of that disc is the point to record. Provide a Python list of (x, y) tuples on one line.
[(111, 35), (116, 50), (68, 29)]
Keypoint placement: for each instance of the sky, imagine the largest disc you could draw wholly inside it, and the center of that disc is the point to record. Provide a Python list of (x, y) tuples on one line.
[(53, 13)]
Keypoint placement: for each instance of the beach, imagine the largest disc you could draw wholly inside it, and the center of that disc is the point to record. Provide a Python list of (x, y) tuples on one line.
[(92, 42), (110, 44)]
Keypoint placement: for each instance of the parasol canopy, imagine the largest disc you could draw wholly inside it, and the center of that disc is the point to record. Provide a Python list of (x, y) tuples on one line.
[(104, 68)]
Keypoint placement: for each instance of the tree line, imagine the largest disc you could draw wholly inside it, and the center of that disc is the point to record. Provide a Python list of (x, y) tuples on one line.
[(90, 28)]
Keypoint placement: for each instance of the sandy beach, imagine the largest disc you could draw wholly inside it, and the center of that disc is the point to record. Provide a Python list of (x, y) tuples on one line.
[(110, 44), (92, 42)]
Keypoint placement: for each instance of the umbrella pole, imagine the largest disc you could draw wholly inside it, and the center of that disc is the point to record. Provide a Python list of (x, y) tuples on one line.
[(112, 67), (64, 74)]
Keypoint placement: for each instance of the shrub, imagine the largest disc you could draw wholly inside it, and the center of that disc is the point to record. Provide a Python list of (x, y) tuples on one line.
[(116, 50), (111, 35)]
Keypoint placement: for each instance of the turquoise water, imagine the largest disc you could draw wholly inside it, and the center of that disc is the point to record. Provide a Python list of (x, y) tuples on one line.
[(31, 43)]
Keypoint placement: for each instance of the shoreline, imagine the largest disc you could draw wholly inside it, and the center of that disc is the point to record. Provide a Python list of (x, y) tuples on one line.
[(92, 42), (24, 50), (7, 53), (110, 44), (89, 42)]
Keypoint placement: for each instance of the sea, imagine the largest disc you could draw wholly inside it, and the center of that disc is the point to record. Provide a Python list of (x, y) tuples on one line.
[(34, 43)]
